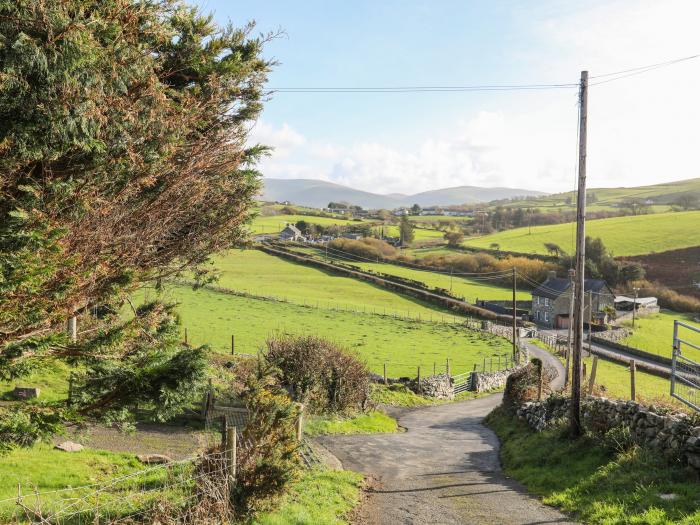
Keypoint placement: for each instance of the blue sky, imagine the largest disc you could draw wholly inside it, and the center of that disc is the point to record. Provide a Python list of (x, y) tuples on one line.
[(407, 142)]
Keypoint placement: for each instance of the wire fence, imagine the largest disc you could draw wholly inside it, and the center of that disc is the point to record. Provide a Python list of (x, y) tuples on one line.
[(120, 499)]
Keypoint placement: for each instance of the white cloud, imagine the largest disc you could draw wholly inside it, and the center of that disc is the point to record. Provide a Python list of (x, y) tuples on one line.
[(642, 130)]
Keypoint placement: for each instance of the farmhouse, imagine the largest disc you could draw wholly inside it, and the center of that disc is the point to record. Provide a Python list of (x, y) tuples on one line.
[(291, 233), (550, 301)]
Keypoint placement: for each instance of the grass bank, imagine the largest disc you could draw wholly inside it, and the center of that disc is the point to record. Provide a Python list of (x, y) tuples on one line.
[(601, 486), (320, 497)]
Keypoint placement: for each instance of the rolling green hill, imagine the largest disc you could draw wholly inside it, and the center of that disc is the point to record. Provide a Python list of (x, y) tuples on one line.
[(633, 235), (662, 196)]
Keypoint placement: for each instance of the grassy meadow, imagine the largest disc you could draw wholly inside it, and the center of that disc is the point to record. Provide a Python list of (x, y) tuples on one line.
[(623, 236), (276, 223), (655, 333), (258, 273), (212, 317)]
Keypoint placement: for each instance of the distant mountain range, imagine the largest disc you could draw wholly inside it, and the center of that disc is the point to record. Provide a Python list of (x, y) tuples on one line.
[(318, 193)]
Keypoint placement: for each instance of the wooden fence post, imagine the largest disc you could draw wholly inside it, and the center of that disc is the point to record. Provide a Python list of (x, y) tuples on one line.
[(185, 335), (447, 366), (499, 362), (591, 381), (233, 344), (300, 422), (73, 328), (540, 379), (420, 389), (483, 368), (434, 367), (70, 389), (231, 445), (224, 432), (385, 380), (633, 390)]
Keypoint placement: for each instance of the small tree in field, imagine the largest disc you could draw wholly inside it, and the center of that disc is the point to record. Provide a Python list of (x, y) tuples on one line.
[(406, 231), (454, 239)]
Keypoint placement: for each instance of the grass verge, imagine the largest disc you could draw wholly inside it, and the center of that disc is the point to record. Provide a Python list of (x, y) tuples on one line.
[(320, 497), (374, 422), (600, 486)]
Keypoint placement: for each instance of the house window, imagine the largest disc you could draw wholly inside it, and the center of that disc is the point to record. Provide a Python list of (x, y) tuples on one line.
[(546, 317), (538, 300), (537, 316), (546, 301)]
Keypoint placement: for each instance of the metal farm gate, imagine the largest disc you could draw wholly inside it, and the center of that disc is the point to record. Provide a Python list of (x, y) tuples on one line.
[(685, 372)]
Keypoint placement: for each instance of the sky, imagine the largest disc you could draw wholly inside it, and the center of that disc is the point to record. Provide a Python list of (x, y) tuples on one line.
[(643, 129)]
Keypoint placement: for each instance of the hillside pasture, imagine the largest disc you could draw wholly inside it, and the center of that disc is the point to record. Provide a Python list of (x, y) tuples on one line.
[(633, 235), (259, 273), (212, 317)]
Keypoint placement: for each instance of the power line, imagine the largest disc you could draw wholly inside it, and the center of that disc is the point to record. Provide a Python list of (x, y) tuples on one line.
[(424, 89), (616, 75)]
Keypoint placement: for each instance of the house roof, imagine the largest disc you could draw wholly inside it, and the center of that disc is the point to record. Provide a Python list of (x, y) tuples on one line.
[(553, 287), (290, 228)]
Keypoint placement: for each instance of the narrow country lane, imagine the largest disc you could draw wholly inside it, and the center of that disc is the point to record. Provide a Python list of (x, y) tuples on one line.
[(443, 470)]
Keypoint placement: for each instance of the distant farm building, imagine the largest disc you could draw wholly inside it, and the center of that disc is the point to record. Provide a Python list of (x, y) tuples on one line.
[(291, 233), (624, 303), (551, 301)]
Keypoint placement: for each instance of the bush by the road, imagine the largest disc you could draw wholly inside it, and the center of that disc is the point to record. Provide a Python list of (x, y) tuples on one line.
[(319, 373)]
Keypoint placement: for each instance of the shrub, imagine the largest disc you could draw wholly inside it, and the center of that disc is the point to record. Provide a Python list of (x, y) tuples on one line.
[(268, 459), (366, 247), (319, 373), (523, 384), (23, 427)]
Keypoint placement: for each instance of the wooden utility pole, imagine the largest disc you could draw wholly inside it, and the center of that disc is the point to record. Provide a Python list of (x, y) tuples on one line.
[(576, 428), (515, 313), (590, 323), (572, 284)]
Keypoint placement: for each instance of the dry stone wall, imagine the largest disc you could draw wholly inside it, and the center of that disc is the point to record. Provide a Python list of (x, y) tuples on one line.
[(676, 436)]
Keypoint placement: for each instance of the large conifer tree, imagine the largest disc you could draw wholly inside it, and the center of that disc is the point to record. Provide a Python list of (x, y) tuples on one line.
[(123, 158)]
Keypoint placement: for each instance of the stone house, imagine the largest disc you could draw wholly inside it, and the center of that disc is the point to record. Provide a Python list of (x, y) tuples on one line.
[(550, 301), (291, 233)]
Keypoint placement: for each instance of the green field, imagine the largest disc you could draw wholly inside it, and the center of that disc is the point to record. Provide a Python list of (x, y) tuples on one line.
[(276, 223), (634, 235), (655, 333), (212, 317), (258, 273), (469, 289)]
